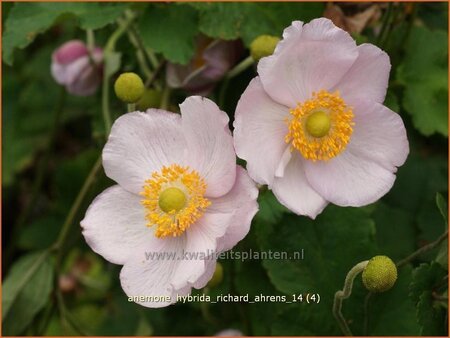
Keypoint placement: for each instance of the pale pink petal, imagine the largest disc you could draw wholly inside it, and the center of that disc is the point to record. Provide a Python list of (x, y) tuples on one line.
[(201, 246), (311, 58), (115, 224), (349, 179), (379, 135), (225, 222), (260, 128), (140, 144), (210, 268), (210, 144), (70, 51), (241, 202), (153, 277), (87, 82), (294, 191), (368, 77)]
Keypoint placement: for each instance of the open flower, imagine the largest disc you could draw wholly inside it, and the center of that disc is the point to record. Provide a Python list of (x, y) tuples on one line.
[(312, 126), (180, 200), (74, 68), (213, 59)]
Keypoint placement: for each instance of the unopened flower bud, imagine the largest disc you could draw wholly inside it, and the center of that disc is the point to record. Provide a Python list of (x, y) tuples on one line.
[(129, 87), (262, 46), (380, 274), (217, 277), (150, 99), (74, 67)]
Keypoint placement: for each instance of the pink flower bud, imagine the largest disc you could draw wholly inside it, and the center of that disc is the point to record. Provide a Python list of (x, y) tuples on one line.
[(212, 60), (74, 68)]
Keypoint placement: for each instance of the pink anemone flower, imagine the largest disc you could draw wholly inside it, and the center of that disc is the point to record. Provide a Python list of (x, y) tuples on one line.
[(312, 125), (179, 202), (74, 68)]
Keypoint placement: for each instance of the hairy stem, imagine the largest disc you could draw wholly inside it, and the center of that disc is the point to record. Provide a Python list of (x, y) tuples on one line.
[(344, 294)]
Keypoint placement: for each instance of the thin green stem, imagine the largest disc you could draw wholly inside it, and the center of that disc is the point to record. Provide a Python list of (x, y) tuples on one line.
[(40, 174), (385, 24), (131, 107), (76, 206), (109, 49), (423, 249), (240, 67), (90, 40), (344, 294), (366, 313), (165, 98)]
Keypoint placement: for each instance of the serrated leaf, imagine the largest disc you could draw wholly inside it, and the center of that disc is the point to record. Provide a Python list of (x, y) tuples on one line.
[(27, 20), (249, 20), (26, 290), (424, 75), (431, 317), (425, 278), (170, 30), (429, 279)]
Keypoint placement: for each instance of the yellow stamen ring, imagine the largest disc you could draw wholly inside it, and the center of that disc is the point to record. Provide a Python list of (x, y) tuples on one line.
[(174, 200), (320, 128)]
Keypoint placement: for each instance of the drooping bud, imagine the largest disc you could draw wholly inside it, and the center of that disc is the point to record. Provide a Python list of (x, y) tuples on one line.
[(129, 87), (262, 46), (380, 274), (74, 67)]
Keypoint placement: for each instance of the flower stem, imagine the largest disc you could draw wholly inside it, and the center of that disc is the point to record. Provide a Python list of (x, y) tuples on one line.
[(76, 205), (240, 67), (344, 294), (423, 249), (165, 98), (109, 49), (131, 107)]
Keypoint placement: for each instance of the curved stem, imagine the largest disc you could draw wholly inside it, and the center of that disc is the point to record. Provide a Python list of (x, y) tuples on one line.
[(344, 294)]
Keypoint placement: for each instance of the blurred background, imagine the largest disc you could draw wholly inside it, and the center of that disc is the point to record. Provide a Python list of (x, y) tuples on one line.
[(53, 284)]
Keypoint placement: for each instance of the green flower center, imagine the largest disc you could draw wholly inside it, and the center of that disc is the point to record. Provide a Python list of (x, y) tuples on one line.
[(172, 199)]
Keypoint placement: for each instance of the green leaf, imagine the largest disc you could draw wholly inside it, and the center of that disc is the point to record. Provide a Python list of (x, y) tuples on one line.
[(26, 290), (333, 243), (249, 20), (270, 210), (27, 20), (392, 224), (429, 279), (170, 30), (392, 313), (424, 75)]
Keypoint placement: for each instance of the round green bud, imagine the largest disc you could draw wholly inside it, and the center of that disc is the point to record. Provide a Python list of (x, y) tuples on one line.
[(380, 274), (262, 46), (318, 124), (150, 99), (129, 87), (217, 277)]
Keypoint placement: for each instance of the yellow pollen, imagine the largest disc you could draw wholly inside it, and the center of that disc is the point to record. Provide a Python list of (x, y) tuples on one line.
[(320, 127), (174, 200)]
